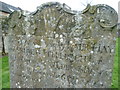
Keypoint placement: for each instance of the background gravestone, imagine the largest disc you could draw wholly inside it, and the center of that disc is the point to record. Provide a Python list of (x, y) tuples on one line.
[(3, 35), (58, 47)]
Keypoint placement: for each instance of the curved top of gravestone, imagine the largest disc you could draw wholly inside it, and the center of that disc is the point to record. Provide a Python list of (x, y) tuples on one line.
[(101, 14)]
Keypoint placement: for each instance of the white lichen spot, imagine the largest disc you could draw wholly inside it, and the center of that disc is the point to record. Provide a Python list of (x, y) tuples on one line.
[(102, 20), (43, 61), (61, 26), (39, 80), (98, 11), (23, 41), (61, 36), (47, 15), (101, 83), (76, 80), (71, 42), (112, 50), (42, 40), (61, 40), (51, 69), (19, 86), (77, 39), (26, 19), (28, 35), (91, 52), (56, 35), (102, 36), (37, 46), (37, 50), (54, 18), (89, 63), (93, 63), (43, 45)]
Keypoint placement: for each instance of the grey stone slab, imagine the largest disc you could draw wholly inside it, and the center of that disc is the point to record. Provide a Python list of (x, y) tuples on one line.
[(56, 47)]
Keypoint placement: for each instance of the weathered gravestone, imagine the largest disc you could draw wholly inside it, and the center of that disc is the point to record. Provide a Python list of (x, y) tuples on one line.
[(58, 47), (3, 35)]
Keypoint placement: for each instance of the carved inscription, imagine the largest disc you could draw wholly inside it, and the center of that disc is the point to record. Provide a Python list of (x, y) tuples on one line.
[(61, 48)]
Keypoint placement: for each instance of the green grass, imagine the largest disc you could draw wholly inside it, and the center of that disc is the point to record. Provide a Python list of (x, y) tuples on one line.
[(0, 73), (6, 78), (5, 72), (115, 69)]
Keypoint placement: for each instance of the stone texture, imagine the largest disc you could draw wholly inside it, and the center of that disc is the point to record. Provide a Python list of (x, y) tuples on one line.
[(0, 35), (3, 34), (57, 47), (0, 44)]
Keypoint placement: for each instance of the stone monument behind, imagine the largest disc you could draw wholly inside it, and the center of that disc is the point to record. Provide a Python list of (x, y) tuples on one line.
[(56, 47)]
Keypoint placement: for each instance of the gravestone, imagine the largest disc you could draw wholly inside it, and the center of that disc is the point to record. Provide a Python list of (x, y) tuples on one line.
[(0, 36), (56, 47), (3, 35)]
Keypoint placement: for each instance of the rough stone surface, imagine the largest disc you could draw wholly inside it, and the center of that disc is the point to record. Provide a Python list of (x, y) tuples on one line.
[(0, 35), (0, 44), (3, 34), (58, 47)]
